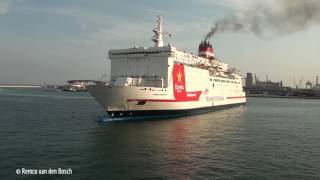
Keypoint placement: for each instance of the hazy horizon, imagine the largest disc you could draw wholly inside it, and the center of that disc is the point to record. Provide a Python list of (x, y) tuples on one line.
[(55, 41)]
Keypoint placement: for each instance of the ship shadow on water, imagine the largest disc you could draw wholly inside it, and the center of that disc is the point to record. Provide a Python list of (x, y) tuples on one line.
[(104, 119)]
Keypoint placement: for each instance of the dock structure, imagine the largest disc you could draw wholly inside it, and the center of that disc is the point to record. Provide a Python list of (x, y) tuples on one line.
[(19, 86), (282, 91), (255, 87)]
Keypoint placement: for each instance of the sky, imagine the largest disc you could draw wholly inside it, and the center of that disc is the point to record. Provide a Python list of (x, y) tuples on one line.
[(46, 41)]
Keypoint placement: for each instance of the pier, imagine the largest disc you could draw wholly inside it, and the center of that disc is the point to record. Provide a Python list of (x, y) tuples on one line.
[(19, 86)]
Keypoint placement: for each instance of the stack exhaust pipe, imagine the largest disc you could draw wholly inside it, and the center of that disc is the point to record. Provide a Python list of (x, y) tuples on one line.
[(206, 50)]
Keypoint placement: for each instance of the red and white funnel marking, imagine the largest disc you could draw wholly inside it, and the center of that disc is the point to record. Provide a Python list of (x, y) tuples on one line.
[(206, 50)]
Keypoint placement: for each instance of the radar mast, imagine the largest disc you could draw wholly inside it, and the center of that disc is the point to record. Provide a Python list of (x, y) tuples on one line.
[(158, 33)]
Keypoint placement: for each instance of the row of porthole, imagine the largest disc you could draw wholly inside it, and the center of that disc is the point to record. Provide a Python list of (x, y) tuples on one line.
[(212, 84), (121, 114), (156, 52), (223, 81)]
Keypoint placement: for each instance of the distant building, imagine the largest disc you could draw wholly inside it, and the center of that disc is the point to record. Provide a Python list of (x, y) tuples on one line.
[(317, 90), (249, 80), (268, 84), (256, 83)]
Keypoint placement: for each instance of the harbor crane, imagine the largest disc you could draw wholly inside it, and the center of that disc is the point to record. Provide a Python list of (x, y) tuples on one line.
[(297, 85)]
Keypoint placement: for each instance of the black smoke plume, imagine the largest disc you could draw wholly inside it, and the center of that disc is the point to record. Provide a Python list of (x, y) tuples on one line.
[(284, 17)]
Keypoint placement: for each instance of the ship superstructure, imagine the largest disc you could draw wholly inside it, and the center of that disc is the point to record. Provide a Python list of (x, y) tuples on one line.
[(164, 81)]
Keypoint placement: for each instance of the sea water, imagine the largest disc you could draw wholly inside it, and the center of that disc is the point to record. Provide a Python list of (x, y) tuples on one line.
[(42, 131)]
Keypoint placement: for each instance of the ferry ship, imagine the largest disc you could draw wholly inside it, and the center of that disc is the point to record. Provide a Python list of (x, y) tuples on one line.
[(162, 81)]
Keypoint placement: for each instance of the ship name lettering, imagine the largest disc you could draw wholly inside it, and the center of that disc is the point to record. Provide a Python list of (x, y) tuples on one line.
[(191, 94), (178, 87), (215, 98)]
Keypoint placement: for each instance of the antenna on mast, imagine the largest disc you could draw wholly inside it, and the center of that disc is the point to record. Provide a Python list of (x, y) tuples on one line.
[(158, 33)]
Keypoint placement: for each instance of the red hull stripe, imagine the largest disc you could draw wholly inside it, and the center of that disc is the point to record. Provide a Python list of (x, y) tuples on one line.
[(161, 100), (236, 97), (174, 100)]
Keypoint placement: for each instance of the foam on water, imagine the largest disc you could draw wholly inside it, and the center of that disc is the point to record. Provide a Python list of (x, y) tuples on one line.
[(103, 119)]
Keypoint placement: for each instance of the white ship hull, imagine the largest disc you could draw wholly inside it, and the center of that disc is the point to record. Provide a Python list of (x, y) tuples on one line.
[(163, 81), (178, 99)]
